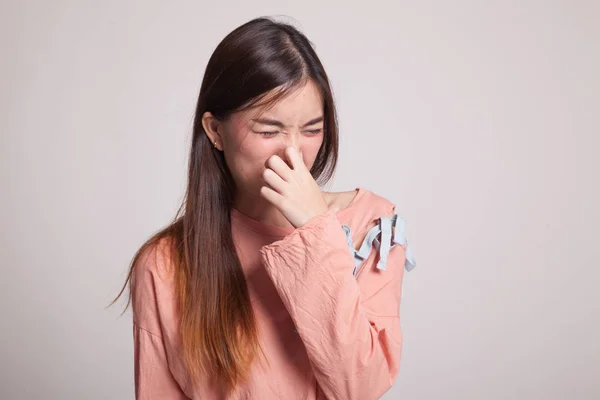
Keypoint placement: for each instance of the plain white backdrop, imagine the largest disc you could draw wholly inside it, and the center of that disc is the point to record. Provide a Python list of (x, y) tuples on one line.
[(480, 120)]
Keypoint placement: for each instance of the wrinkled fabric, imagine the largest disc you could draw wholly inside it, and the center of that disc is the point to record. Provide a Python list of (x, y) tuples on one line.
[(328, 324)]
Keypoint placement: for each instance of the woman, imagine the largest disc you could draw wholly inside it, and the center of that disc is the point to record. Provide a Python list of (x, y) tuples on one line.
[(264, 286)]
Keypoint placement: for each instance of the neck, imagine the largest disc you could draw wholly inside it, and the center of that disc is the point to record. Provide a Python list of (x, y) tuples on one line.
[(253, 205), (256, 207)]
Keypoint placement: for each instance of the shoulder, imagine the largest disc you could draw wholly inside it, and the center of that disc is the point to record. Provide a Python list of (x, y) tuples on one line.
[(360, 209), (152, 282), (155, 257), (359, 199), (379, 204), (369, 205)]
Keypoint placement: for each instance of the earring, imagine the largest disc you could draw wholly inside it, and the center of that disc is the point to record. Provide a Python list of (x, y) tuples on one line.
[(215, 144)]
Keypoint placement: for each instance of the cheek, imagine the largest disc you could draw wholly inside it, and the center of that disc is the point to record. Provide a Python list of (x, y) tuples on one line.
[(253, 154), (246, 158), (310, 149)]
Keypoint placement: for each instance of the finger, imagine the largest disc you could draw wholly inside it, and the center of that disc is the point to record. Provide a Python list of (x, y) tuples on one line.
[(274, 180), (279, 166), (272, 196), (294, 157)]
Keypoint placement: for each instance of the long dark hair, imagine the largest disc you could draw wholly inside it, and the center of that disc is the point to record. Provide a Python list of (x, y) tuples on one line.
[(219, 333)]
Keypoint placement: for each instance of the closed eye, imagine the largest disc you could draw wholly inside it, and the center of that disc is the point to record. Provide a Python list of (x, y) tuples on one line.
[(271, 133)]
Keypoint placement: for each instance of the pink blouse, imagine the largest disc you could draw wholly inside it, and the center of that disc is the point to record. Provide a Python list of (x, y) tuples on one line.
[(328, 315)]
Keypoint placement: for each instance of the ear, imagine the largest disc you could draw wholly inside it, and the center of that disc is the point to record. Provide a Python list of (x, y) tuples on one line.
[(211, 126)]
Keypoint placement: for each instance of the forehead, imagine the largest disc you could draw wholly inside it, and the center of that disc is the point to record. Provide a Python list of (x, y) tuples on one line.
[(299, 104)]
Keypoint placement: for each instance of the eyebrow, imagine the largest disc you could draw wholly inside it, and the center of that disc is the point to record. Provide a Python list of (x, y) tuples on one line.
[(274, 122)]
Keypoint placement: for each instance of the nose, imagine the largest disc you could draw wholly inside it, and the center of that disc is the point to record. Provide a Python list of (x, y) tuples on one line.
[(289, 141), (292, 141)]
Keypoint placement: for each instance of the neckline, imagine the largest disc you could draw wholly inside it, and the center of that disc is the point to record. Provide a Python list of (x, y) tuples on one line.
[(280, 231)]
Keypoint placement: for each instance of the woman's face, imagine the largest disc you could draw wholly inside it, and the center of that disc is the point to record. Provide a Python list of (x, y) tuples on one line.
[(249, 138)]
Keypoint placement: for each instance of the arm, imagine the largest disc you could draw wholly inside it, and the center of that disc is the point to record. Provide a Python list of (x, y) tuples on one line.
[(153, 321), (153, 379), (350, 328)]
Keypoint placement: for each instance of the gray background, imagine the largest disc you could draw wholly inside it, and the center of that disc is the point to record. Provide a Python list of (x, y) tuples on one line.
[(480, 120)]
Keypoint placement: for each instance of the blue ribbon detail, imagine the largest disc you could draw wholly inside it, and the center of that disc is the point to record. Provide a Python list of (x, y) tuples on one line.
[(380, 237)]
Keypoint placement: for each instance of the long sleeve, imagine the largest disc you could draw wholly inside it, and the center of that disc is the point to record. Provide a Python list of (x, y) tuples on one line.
[(153, 379), (349, 325), (155, 329)]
